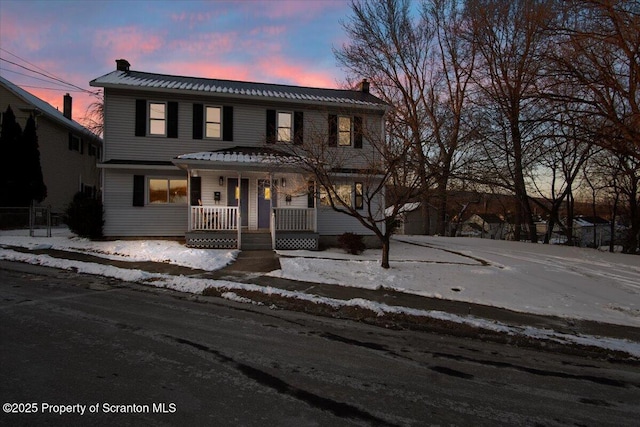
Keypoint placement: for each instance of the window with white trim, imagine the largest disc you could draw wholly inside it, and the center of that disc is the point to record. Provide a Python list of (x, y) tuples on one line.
[(358, 196), (157, 118), (344, 131), (167, 190), (340, 191), (285, 126), (213, 122)]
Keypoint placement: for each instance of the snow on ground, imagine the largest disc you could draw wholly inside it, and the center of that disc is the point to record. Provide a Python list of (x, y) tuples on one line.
[(534, 278), (541, 279)]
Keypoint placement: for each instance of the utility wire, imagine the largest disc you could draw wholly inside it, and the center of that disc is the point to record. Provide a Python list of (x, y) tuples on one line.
[(45, 73), (32, 77)]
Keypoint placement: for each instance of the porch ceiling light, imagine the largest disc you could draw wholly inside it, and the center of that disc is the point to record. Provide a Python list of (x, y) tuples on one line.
[(221, 181)]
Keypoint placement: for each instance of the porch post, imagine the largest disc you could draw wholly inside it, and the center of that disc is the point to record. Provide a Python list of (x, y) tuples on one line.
[(239, 215), (189, 219), (315, 208), (272, 223)]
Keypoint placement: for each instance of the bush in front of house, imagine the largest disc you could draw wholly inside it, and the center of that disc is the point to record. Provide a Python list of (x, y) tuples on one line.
[(84, 216), (352, 243)]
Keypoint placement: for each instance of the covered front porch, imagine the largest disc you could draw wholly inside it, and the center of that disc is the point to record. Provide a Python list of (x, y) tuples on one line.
[(239, 200)]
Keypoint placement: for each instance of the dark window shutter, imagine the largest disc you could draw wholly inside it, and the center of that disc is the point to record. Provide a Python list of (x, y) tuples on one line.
[(172, 120), (333, 130), (70, 141), (141, 117), (357, 132), (138, 190), (198, 121), (298, 127), (227, 123), (311, 195), (196, 190), (271, 126)]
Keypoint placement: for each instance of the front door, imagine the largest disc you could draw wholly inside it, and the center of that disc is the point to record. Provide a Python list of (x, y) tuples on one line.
[(264, 203), (233, 193)]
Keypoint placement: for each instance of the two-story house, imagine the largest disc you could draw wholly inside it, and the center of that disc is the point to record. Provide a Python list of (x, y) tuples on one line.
[(207, 160), (68, 151)]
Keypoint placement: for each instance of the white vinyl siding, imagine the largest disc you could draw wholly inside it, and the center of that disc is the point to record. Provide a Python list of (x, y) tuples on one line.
[(124, 219)]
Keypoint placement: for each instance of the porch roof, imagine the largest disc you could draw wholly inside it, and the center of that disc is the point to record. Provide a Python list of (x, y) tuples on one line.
[(246, 158)]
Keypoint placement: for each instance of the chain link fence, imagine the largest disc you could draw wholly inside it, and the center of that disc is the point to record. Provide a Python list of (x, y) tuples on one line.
[(36, 219)]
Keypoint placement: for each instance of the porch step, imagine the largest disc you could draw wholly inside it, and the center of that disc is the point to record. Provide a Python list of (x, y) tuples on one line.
[(256, 242)]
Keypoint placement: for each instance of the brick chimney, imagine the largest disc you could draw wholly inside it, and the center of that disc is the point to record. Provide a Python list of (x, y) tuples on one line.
[(66, 106), (122, 65), (364, 86)]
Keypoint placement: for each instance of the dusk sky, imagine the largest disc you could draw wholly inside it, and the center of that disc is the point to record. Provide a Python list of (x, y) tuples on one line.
[(273, 41)]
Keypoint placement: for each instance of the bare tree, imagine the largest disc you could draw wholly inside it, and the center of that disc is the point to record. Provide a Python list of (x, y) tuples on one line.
[(94, 117), (420, 65), (511, 39), (381, 161), (600, 52), (564, 153)]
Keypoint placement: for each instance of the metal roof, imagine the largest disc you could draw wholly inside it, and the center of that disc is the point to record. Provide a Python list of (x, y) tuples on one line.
[(47, 109), (237, 89)]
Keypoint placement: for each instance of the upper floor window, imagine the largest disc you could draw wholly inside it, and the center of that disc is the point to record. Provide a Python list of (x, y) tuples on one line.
[(213, 122), (74, 143), (157, 118), (167, 190), (285, 126), (344, 130)]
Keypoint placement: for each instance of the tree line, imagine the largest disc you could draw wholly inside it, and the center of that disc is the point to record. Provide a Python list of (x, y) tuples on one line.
[(534, 98)]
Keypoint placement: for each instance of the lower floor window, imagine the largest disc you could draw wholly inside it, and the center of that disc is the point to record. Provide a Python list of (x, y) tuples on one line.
[(167, 190), (339, 192)]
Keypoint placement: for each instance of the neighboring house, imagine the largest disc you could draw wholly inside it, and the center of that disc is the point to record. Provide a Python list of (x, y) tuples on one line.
[(68, 151), (411, 219), (485, 226), (200, 158), (591, 231)]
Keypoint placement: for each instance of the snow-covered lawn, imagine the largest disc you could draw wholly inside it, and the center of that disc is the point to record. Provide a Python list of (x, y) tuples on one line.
[(542, 279), (556, 280)]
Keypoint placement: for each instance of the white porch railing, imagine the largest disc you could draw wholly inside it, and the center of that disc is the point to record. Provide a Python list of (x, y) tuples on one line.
[(214, 218), (294, 219)]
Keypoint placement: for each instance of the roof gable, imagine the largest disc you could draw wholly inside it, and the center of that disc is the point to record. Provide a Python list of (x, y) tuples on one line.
[(238, 89), (47, 109)]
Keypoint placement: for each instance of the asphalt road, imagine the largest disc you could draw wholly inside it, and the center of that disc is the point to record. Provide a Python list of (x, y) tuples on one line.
[(84, 350)]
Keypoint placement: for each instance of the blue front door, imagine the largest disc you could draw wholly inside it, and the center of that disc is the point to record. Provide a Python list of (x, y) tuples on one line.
[(264, 202), (243, 192)]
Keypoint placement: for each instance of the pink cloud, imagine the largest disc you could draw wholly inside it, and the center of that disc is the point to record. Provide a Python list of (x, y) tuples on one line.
[(129, 42), (271, 70), (210, 43), (293, 8), (270, 30), (14, 32), (210, 70), (278, 69), (192, 19)]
